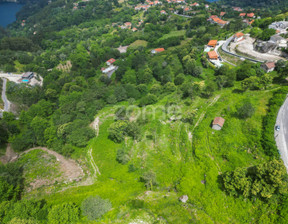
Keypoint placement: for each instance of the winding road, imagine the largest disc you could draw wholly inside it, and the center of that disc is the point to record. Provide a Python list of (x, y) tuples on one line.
[(281, 136), (4, 98)]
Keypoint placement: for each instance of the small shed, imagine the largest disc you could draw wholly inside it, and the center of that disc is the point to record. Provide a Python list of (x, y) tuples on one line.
[(218, 123)]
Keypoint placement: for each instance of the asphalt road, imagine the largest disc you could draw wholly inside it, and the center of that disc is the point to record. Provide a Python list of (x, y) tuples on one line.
[(4, 97), (281, 136)]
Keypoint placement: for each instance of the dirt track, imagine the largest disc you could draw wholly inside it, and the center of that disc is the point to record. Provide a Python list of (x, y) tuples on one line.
[(71, 170)]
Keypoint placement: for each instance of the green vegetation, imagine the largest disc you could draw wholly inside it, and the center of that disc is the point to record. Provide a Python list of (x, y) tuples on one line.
[(143, 134)]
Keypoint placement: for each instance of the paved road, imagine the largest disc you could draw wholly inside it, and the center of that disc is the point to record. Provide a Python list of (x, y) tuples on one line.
[(4, 98), (281, 136)]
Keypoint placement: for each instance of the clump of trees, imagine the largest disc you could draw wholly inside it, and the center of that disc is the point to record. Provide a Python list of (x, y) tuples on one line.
[(263, 181), (95, 207)]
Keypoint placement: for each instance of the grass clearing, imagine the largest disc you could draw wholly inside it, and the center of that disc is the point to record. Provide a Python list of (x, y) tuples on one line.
[(180, 165), (176, 33), (139, 43)]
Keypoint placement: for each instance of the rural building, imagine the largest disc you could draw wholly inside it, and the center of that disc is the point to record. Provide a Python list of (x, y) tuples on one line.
[(27, 76), (251, 15), (212, 43), (157, 50), (268, 66), (214, 19), (280, 25), (134, 29), (195, 4), (163, 12), (242, 14), (238, 37), (222, 13), (218, 123), (110, 61), (212, 55)]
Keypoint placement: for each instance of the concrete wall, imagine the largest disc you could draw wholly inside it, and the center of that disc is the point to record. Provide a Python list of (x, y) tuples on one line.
[(216, 127)]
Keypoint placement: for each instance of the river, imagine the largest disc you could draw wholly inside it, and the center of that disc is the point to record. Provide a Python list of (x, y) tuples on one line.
[(8, 12)]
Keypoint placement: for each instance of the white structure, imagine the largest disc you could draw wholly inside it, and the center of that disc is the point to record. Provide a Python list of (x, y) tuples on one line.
[(280, 25), (238, 37)]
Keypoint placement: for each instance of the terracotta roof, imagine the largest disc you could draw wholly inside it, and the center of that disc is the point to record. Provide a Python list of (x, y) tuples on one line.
[(212, 43), (239, 35), (159, 50), (242, 14), (219, 121), (270, 65), (212, 55), (111, 60), (250, 15), (222, 13)]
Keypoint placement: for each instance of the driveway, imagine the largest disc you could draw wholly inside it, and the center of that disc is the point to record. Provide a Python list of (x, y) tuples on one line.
[(281, 136), (4, 98)]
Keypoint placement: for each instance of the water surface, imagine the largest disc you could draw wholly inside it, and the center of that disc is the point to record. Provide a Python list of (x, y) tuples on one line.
[(8, 12)]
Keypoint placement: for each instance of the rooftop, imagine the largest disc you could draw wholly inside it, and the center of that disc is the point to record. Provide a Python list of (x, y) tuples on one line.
[(219, 121)]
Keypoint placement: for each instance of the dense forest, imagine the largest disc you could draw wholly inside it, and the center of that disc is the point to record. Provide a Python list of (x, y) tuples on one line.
[(272, 4)]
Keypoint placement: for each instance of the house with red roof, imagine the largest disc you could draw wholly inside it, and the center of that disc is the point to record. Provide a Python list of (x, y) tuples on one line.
[(212, 55), (222, 13), (251, 15), (268, 66), (163, 12), (218, 123), (195, 4), (215, 19), (238, 37), (157, 50), (242, 14), (212, 43), (110, 61)]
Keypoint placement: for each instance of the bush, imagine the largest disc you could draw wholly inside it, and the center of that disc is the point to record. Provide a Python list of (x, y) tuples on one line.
[(64, 213), (268, 141), (95, 207), (246, 110), (122, 157), (147, 100)]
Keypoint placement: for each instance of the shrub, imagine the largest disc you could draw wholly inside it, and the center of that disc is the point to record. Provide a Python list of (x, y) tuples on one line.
[(122, 157), (246, 110), (64, 213), (95, 207)]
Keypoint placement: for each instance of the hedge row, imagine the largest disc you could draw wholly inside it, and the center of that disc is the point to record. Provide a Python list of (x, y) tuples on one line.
[(268, 141)]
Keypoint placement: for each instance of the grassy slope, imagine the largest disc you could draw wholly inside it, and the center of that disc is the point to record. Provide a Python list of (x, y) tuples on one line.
[(179, 165)]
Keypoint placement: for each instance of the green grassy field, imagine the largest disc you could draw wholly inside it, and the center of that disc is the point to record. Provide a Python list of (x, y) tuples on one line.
[(139, 43), (180, 164), (176, 33)]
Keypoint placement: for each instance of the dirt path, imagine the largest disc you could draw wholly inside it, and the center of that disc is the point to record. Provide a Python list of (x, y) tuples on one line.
[(9, 156), (95, 125), (93, 164), (204, 112), (202, 116)]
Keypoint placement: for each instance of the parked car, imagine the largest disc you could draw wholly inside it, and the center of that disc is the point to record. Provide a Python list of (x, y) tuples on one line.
[(277, 128)]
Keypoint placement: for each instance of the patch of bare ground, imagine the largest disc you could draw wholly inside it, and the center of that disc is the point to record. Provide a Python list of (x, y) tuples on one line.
[(246, 48)]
